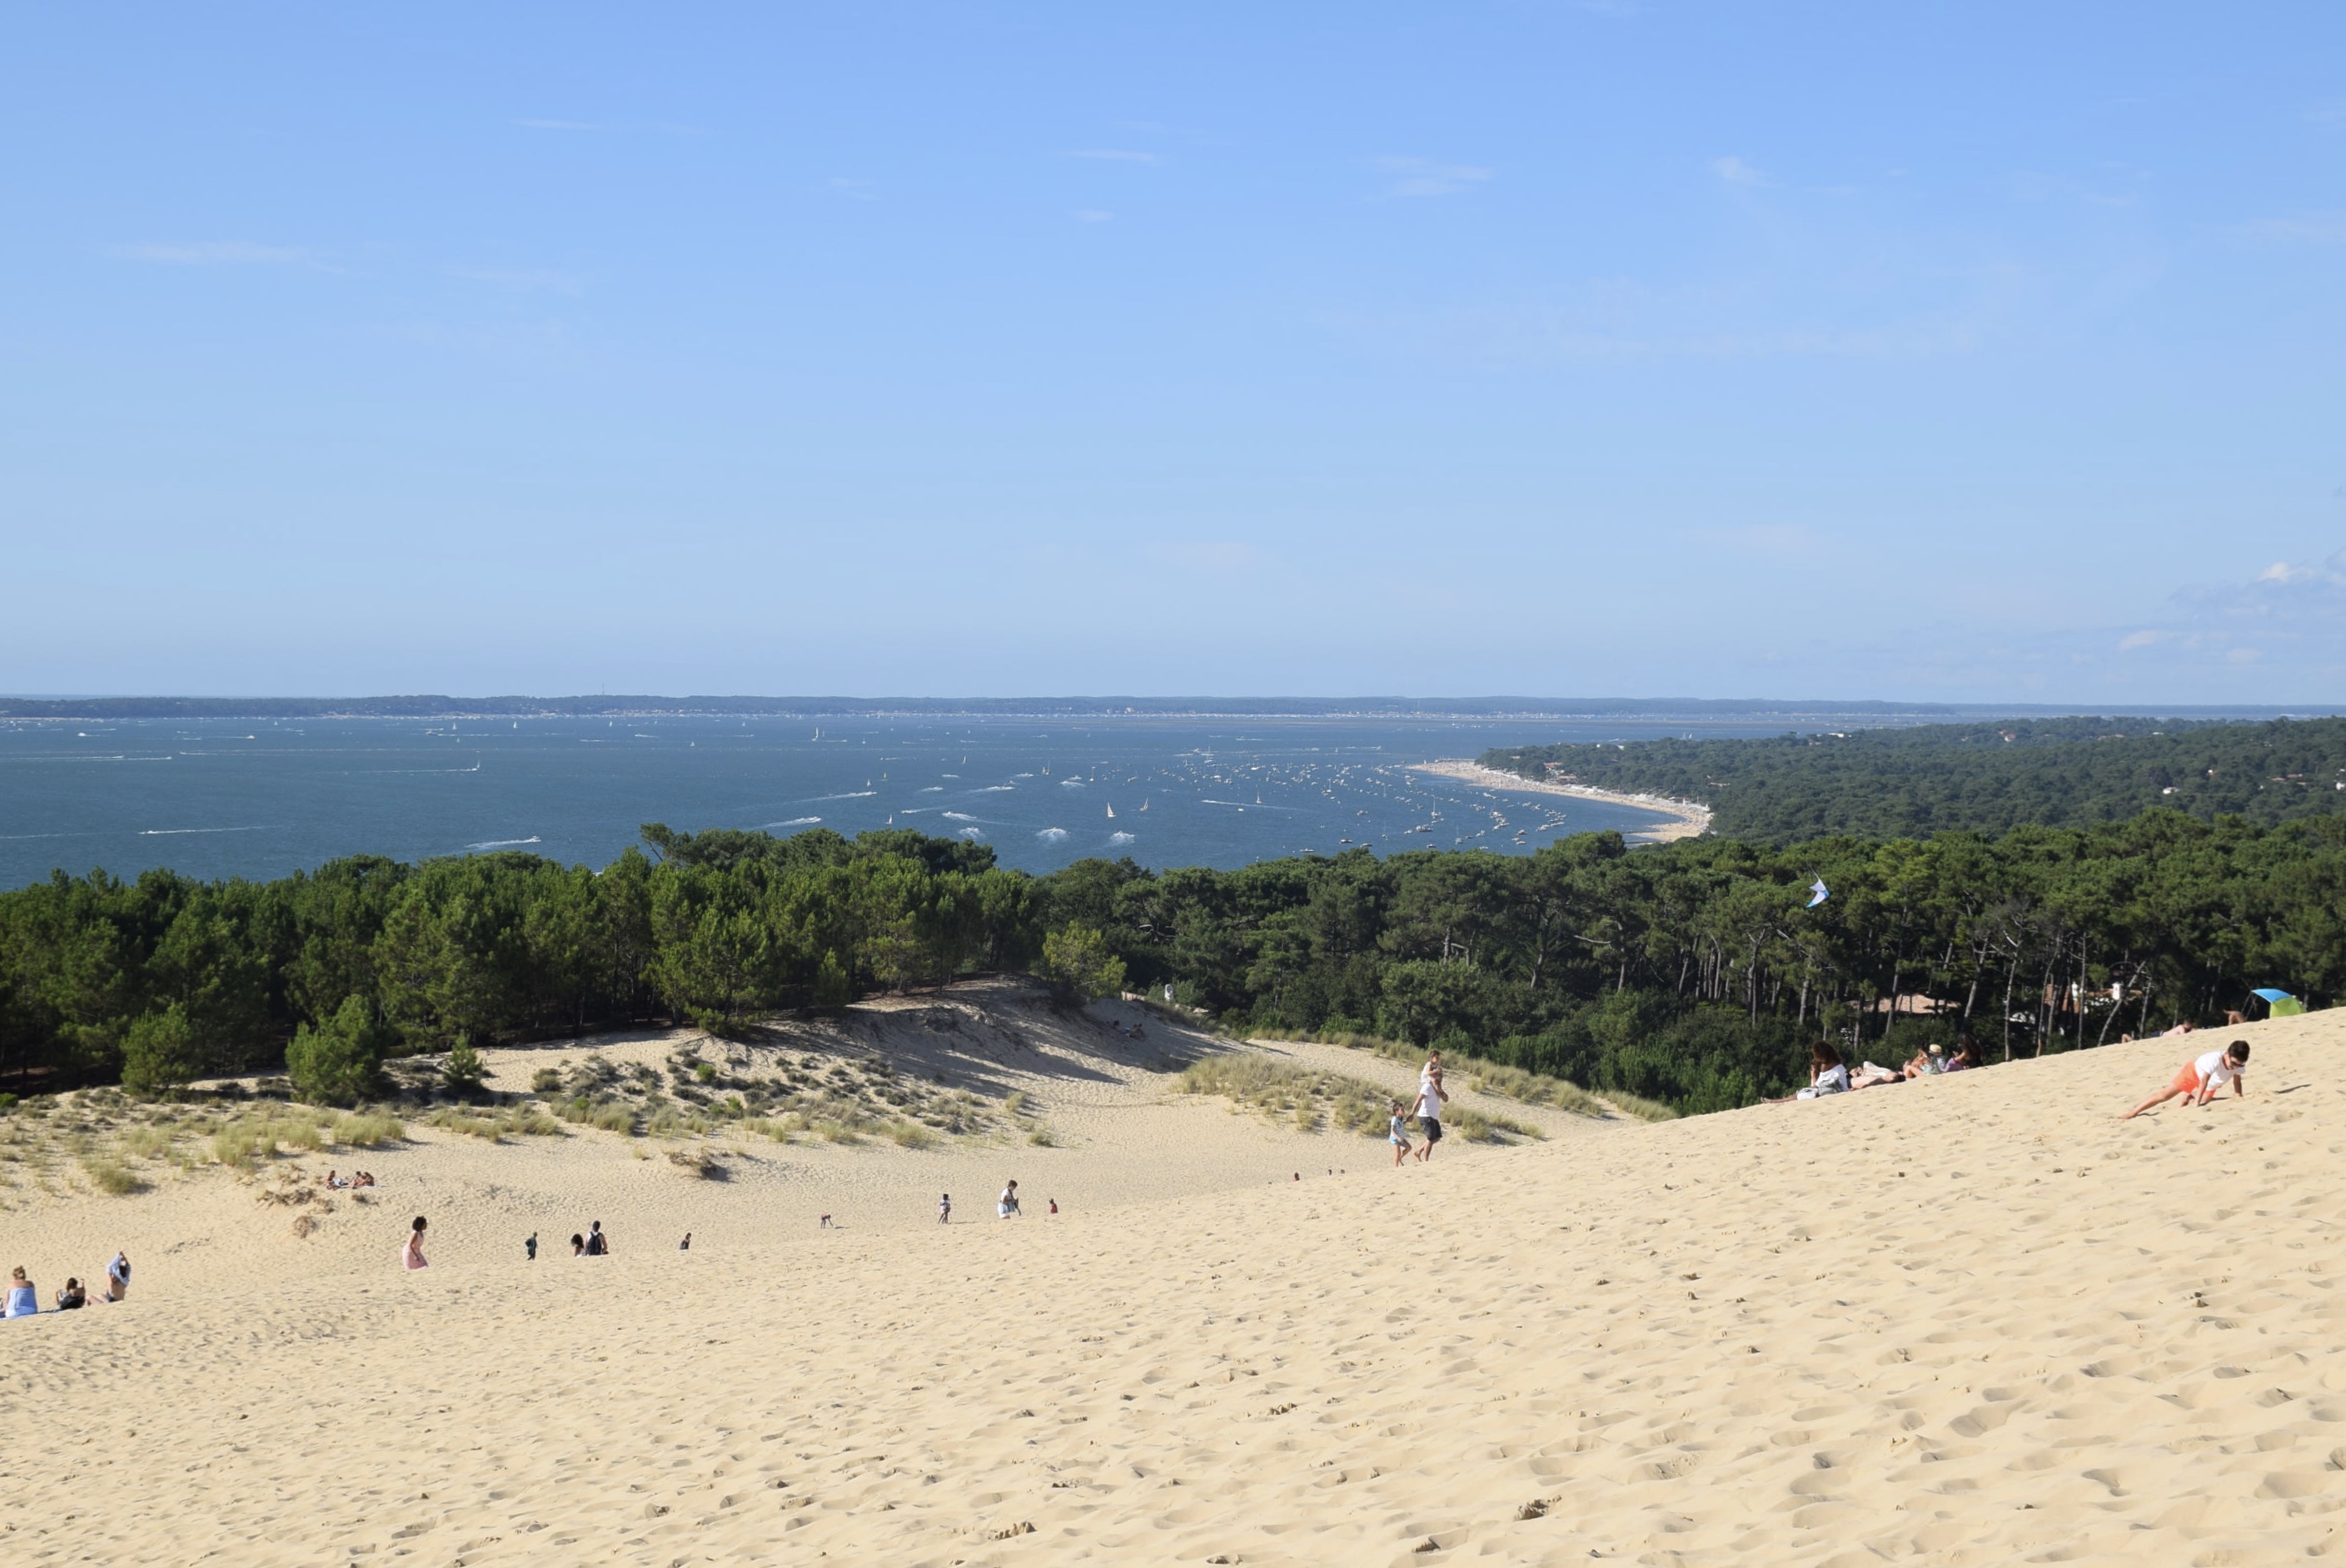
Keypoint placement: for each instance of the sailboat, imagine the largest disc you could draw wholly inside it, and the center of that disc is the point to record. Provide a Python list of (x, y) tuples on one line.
[(1111, 813), (1144, 805)]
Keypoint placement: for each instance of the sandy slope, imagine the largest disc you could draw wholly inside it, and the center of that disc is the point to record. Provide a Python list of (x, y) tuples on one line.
[(1971, 1321)]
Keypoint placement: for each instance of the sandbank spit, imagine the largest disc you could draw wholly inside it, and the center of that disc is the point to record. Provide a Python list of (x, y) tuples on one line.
[(1680, 818), (1970, 1321)]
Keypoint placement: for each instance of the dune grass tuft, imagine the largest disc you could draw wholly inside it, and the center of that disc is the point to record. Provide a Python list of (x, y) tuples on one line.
[(1308, 1096), (111, 1176)]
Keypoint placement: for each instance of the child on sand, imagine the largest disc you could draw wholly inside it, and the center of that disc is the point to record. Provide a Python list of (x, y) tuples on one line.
[(1008, 1203), (1397, 1132), (411, 1255), (945, 1209), (2202, 1076)]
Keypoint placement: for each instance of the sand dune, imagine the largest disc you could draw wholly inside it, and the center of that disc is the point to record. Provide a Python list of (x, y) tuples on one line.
[(1970, 1321)]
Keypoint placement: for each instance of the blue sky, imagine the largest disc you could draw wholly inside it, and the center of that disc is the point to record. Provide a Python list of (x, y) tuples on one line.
[(1969, 351)]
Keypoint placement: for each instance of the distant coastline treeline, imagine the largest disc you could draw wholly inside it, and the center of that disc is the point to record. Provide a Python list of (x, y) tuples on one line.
[(1689, 973), (1806, 715), (1984, 778), (601, 705)]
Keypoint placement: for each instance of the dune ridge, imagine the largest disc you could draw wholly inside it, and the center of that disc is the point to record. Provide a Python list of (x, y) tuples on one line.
[(1965, 1321)]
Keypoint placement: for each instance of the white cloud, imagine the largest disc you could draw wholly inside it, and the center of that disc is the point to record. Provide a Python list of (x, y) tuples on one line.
[(552, 282), (1426, 176), (2302, 228), (1763, 539), (1115, 155), (1735, 171), (211, 253), (1211, 557)]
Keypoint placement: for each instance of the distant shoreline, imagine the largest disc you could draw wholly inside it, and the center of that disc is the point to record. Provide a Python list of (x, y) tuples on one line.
[(1687, 819)]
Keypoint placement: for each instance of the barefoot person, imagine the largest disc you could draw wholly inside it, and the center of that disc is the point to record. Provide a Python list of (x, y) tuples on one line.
[(1008, 1203), (1431, 1096), (411, 1255), (2202, 1076), (23, 1301), (1397, 1133), (117, 1277)]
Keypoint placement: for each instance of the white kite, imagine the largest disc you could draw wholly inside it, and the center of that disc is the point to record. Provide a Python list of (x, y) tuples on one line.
[(1822, 893)]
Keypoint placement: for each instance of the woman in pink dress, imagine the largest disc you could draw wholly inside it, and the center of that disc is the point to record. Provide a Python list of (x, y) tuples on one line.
[(411, 1255)]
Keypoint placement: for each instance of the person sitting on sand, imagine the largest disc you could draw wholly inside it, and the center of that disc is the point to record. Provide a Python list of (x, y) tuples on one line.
[(597, 1245), (411, 1255), (1966, 1056), (1927, 1063), (1827, 1074), (117, 1277), (24, 1301), (2202, 1076), (685, 1245), (72, 1297), (1007, 1205), (1054, 1206), (577, 1245), (1397, 1134)]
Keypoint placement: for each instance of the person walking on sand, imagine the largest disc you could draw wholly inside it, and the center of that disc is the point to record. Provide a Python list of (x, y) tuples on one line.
[(2201, 1077), (1008, 1203), (1397, 1131), (531, 1246), (117, 1277), (1431, 1096), (945, 1209), (411, 1255)]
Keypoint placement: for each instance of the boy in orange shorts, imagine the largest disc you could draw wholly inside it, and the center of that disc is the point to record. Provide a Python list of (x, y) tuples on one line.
[(2201, 1077)]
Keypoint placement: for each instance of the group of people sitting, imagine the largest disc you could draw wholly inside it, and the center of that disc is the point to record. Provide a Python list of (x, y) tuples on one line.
[(356, 1178), (1138, 1031), (1830, 1074), (23, 1299)]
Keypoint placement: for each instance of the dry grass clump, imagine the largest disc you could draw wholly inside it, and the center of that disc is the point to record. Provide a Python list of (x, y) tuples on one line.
[(368, 1129), (1478, 1128), (495, 1125), (111, 1176), (609, 1115), (1308, 1096), (697, 1162)]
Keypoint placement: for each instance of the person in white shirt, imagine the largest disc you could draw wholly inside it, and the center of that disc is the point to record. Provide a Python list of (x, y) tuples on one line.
[(1431, 1096), (1007, 1205), (2201, 1077)]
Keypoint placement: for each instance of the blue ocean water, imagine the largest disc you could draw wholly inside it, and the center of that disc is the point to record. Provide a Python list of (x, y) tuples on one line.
[(259, 798)]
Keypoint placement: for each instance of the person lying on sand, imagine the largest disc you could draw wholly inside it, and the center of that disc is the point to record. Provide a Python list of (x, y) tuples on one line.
[(1874, 1073), (2202, 1076), (1397, 1133)]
